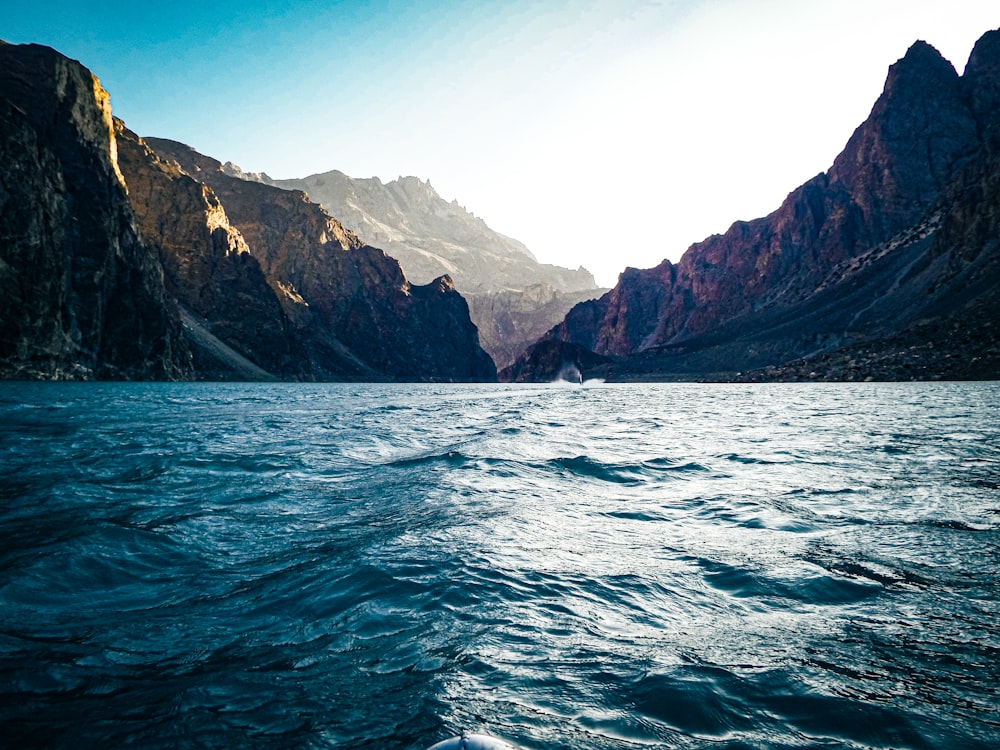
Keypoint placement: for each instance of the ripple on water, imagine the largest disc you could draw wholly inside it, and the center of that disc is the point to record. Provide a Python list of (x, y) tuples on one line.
[(681, 566)]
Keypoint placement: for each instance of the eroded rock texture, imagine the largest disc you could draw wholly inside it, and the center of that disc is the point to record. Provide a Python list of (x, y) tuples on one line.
[(208, 266), (81, 295), (513, 299)]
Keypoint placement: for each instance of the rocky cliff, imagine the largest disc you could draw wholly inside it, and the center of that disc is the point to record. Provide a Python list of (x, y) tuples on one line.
[(208, 267), (352, 311), (116, 263), (513, 298), (430, 236), (895, 237), (81, 295)]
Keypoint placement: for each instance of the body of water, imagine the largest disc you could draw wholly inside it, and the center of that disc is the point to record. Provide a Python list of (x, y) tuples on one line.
[(604, 567)]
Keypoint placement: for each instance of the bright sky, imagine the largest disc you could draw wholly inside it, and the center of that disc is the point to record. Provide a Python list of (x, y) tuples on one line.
[(603, 133)]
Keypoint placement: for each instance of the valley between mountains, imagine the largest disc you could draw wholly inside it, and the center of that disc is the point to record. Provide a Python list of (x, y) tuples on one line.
[(128, 257)]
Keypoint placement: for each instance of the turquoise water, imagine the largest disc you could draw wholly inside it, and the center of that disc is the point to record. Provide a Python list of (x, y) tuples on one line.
[(612, 566)]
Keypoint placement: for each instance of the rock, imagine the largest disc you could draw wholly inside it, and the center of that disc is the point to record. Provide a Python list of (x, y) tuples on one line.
[(81, 295), (432, 237), (349, 304), (513, 299), (890, 236), (208, 266)]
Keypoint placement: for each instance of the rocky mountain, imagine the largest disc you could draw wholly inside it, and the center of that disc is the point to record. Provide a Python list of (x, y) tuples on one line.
[(349, 304), (894, 245), (81, 293), (513, 298), (209, 269), (430, 236), (123, 263)]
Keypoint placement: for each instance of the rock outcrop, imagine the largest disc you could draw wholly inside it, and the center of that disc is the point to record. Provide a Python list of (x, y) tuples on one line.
[(513, 298), (81, 295), (894, 238), (208, 267), (352, 311)]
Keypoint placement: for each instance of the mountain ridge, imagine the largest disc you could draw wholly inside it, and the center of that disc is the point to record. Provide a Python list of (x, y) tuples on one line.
[(716, 311), (499, 276), (342, 296), (116, 263)]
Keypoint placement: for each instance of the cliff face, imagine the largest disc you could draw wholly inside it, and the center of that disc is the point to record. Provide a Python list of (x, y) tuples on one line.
[(349, 304), (116, 263), (207, 264), (855, 254), (81, 295), (513, 299)]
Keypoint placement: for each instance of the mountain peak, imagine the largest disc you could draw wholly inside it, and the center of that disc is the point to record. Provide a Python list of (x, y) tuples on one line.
[(982, 82), (918, 131), (985, 55), (921, 66)]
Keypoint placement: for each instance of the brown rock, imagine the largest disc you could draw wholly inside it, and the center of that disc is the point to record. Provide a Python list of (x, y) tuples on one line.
[(353, 310)]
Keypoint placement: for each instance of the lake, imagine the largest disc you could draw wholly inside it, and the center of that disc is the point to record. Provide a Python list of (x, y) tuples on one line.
[(579, 567)]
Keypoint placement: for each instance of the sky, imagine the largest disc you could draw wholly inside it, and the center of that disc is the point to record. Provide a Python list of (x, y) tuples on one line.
[(602, 133)]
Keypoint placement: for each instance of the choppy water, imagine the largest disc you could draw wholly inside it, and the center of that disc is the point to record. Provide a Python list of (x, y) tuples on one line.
[(344, 566)]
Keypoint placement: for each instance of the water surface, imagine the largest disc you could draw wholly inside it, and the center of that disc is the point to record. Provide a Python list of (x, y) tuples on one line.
[(615, 566)]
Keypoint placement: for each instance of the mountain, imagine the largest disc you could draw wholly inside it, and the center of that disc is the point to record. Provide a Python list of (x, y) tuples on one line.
[(513, 298), (81, 293), (352, 311), (430, 236), (894, 245), (209, 269), (117, 262)]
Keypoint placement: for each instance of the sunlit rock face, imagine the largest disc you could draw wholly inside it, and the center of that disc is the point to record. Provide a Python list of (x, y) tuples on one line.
[(430, 236), (880, 243), (81, 295), (513, 298), (207, 264), (352, 310)]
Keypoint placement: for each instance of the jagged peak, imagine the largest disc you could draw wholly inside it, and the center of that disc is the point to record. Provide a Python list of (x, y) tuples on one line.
[(443, 283), (985, 54), (235, 170), (922, 66), (982, 82)]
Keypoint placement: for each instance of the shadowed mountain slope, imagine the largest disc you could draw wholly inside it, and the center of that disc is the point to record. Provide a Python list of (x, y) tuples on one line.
[(513, 298), (81, 294), (897, 241), (349, 304)]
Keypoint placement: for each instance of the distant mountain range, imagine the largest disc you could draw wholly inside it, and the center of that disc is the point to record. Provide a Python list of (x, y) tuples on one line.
[(513, 299), (885, 267)]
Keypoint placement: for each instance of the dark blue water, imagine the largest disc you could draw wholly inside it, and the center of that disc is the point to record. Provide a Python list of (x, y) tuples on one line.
[(344, 566)]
